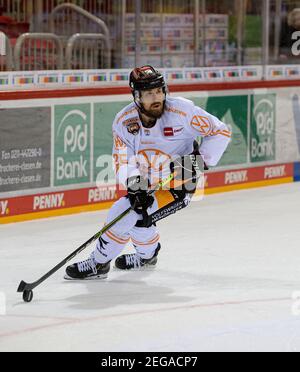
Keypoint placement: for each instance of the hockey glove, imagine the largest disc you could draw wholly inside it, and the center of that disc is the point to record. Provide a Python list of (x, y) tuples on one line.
[(137, 188)]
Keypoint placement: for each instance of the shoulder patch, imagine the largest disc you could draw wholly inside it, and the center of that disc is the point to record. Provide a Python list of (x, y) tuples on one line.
[(202, 124), (132, 125)]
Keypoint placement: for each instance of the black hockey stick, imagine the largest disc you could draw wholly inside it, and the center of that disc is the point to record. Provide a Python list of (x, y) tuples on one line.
[(26, 288)]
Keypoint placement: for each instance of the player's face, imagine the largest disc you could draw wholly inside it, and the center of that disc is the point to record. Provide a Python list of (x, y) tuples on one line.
[(153, 101)]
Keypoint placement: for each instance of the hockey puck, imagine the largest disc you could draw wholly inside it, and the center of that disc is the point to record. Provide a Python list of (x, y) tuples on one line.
[(27, 296)]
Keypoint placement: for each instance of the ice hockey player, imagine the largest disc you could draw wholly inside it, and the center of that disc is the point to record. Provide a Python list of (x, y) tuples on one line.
[(153, 137)]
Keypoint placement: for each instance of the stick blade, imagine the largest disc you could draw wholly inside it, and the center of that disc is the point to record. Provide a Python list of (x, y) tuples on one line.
[(22, 286)]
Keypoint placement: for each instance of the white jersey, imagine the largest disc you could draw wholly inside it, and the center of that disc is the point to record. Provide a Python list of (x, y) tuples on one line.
[(139, 150)]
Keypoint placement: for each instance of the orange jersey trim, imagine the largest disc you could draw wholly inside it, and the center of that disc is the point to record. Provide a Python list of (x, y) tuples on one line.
[(126, 113), (225, 133)]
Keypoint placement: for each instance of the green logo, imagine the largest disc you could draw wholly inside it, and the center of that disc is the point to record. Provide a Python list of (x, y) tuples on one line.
[(263, 128), (72, 144)]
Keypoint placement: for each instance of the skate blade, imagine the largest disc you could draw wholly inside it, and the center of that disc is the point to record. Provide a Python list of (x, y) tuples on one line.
[(91, 278), (144, 268)]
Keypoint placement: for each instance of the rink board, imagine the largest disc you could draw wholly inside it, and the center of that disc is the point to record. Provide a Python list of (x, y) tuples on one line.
[(75, 201), (53, 149)]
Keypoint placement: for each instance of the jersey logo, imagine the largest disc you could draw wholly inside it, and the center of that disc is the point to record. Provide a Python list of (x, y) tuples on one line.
[(154, 159), (133, 128), (178, 130), (172, 132), (202, 124), (169, 132)]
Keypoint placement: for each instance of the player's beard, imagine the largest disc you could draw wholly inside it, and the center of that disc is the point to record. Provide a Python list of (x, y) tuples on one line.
[(156, 110)]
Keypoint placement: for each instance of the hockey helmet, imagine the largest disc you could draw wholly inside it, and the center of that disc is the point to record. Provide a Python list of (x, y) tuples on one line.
[(146, 78)]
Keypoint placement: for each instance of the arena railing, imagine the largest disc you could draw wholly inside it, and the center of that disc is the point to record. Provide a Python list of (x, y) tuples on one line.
[(81, 22), (38, 51), (83, 52)]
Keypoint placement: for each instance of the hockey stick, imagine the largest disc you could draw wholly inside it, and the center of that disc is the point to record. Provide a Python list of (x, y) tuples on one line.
[(26, 288)]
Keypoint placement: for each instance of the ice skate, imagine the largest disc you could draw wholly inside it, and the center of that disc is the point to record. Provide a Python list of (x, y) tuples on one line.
[(135, 262), (87, 270)]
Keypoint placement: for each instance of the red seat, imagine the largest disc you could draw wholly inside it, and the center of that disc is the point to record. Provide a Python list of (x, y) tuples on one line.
[(4, 20)]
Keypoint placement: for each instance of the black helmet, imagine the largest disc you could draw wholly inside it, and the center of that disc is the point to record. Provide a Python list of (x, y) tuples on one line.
[(146, 78)]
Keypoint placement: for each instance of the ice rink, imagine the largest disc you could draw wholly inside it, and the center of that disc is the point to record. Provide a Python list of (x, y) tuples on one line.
[(227, 280)]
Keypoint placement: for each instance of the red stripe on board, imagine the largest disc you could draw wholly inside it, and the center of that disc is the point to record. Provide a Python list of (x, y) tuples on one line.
[(58, 200), (176, 88)]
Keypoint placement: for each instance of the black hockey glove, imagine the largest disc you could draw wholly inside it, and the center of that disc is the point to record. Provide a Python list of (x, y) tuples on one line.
[(187, 171), (138, 188)]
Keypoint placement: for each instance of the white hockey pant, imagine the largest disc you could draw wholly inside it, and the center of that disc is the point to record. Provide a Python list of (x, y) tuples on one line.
[(145, 240)]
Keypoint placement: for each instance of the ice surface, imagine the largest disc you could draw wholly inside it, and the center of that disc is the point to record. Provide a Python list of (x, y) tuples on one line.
[(227, 273)]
